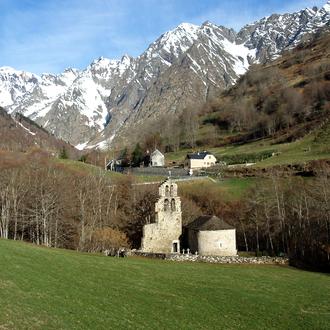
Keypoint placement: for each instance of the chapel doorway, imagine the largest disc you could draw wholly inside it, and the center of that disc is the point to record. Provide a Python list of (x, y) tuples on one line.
[(175, 247)]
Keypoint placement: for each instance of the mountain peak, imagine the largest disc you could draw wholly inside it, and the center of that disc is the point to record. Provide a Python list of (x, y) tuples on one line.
[(187, 27), (209, 24), (183, 30), (126, 59), (173, 43), (71, 70), (326, 7)]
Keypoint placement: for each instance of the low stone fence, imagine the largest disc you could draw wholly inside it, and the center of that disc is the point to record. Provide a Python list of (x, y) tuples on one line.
[(147, 254), (228, 260), (214, 259)]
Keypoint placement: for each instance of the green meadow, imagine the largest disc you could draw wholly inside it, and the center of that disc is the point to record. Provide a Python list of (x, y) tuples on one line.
[(44, 288)]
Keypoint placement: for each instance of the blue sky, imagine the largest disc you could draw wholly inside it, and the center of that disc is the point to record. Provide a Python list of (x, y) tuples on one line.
[(51, 35)]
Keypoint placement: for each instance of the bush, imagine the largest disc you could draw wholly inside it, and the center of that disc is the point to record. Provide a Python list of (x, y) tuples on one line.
[(107, 239), (83, 159), (63, 154)]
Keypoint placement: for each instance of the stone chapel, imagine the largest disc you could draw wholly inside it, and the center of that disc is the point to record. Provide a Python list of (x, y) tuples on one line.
[(163, 236), (206, 235)]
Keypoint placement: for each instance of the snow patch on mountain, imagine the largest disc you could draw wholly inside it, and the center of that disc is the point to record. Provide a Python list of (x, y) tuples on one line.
[(241, 55), (176, 41), (86, 97), (81, 146), (326, 7)]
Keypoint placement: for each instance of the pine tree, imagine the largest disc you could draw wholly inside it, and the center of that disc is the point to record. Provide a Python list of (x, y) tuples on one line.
[(137, 155), (63, 154), (124, 158)]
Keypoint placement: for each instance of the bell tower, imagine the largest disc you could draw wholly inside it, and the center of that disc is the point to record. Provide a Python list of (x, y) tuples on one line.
[(163, 236)]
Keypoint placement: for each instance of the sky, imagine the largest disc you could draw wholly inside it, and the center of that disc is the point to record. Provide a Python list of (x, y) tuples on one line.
[(50, 35)]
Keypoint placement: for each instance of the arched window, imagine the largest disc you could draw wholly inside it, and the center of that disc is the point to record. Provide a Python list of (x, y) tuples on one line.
[(173, 204), (172, 190), (166, 205), (167, 191)]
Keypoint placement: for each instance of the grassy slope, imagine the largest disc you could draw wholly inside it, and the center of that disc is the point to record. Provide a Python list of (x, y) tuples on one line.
[(86, 168), (300, 65), (55, 289), (313, 146), (228, 189), (91, 169)]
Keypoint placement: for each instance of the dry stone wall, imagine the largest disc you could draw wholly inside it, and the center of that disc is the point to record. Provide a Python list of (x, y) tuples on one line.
[(213, 259), (227, 260)]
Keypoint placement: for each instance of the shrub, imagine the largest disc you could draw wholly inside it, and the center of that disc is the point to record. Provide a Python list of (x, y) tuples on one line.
[(106, 239), (246, 158)]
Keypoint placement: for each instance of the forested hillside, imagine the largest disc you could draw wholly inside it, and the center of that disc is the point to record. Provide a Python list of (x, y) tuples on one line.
[(284, 99)]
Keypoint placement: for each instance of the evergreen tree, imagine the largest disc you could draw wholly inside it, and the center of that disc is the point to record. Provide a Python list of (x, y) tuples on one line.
[(63, 154), (137, 155), (83, 158), (124, 158)]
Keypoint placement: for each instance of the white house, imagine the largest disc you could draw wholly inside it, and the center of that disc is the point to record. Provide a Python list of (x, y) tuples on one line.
[(209, 235), (157, 159), (200, 160)]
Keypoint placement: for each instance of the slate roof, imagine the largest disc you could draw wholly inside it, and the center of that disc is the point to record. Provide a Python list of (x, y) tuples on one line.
[(198, 155), (209, 222)]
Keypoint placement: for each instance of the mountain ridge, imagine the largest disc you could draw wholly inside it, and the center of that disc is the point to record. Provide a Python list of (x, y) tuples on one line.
[(187, 65)]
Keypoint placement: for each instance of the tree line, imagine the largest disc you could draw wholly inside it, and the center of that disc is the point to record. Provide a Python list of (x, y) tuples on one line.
[(49, 204), (277, 216)]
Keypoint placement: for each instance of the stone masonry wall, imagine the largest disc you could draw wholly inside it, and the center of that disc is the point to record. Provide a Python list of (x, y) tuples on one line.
[(212, 259), (163, 235), (217, 242), (227, 260)]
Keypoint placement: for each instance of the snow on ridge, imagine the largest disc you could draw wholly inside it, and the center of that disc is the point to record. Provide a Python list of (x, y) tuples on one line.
[(81, 146), (8, 70), (88, 99), (189, 27), (20, 124), (240, 53), (326, 7), (68, 76), (102, 145), (14, 84), (175, 41), (5, 98), (174, 37)]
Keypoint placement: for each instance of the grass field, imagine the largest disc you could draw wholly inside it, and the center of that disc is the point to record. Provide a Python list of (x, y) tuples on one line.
[(86, 168), (56, 289), (226, 189), (313, 146)]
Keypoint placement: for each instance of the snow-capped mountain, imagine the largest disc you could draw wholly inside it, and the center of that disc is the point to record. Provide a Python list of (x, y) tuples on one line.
[(184, 66), (272, 34)]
